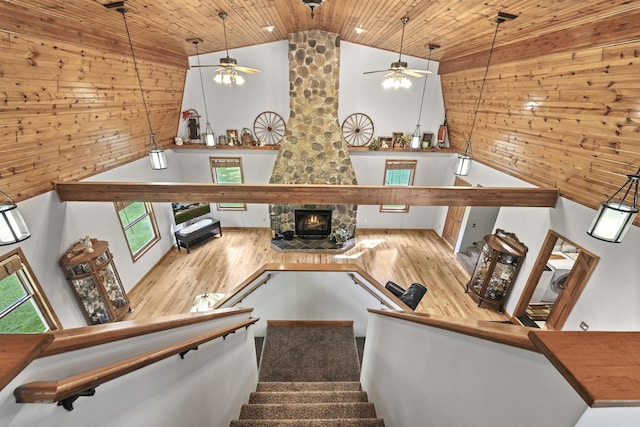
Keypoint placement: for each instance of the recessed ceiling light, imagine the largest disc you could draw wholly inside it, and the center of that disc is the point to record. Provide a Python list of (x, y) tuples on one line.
[(270, 28), (359, 30)]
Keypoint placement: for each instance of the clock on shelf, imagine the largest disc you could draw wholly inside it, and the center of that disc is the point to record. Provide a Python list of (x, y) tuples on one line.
[(89, 268), (496, 270)]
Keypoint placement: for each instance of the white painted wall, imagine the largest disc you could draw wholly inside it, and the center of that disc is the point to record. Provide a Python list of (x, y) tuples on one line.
[(306, 295), (418, 375), (207, 388)]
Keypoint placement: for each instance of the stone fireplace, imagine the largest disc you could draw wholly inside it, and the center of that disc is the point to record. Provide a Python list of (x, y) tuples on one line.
[(312, 150)]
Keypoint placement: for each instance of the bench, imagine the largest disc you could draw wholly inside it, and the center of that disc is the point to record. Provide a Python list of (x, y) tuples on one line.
[(197, 232)]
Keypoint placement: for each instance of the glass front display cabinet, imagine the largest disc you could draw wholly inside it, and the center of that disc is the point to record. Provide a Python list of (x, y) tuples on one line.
[(90, 270), (496, 270)]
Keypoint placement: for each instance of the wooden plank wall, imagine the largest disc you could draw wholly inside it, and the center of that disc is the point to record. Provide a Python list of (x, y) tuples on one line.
[(569, 120), (69, 111)]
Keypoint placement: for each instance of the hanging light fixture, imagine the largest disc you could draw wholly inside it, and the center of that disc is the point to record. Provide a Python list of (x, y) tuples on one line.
[(13, 229), (156, 154), (312, 4), (417, 134), (614, 218), (208, 131), (463, 165)]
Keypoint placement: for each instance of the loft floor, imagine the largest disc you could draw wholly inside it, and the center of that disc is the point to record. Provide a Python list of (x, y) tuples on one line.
[(221, 264)]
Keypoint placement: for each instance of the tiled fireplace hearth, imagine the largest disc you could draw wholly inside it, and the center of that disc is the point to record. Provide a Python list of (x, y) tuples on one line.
[(313, 150)]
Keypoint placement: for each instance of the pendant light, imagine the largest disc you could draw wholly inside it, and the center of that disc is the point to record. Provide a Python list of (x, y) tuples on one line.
[(156, 154), (417, 134), (208, 132), (312, 4), (614, 218), (13, 229), (463, 165)]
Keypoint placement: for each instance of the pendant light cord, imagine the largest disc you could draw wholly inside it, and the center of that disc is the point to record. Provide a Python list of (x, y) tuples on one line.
[(425, 84), (123, 11), (486, 72), (204, 99)]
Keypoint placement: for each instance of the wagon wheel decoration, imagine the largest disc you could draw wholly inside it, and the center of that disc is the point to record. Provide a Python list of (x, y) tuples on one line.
[(357, 130), (269, 128)]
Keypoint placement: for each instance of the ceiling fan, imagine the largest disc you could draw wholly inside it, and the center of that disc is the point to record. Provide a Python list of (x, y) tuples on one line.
[(397, 74), (228, 68)]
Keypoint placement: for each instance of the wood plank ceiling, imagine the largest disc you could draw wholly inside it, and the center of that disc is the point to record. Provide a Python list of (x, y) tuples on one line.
[(459, 27)]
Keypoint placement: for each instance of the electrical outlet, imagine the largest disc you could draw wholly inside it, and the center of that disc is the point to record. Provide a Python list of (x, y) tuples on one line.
[(584, 326)]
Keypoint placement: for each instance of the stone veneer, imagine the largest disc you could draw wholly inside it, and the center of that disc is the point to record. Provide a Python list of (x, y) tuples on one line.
[(312, 150)]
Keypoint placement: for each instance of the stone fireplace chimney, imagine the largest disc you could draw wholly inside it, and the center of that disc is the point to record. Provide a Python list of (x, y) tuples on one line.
[(313, 150)]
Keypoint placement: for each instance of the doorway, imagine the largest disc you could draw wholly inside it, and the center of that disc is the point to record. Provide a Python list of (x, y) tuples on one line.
[(559, 275), (453, 221)]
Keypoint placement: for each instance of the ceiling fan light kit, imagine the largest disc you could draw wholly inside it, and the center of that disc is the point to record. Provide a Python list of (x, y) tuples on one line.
[(398, 74)]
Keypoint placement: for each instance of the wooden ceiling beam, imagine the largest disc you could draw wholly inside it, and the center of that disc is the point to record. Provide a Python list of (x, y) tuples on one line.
[(303, 193)]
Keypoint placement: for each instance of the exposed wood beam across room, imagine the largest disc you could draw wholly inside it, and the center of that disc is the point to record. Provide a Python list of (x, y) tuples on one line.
[(302, 193)]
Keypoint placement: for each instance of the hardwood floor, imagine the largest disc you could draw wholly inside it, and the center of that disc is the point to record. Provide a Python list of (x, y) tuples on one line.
[(221, 264)]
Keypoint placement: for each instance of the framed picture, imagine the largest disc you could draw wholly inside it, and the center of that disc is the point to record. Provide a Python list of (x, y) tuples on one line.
[(385, 141), (427, 138), (232, 136)]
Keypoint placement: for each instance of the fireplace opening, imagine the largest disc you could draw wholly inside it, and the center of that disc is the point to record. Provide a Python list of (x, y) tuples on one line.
[(313, 223)]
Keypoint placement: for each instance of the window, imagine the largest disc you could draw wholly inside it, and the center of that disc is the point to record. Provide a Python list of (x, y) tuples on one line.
[(398, 172), (24, 309), (139, 226), (228, 170)]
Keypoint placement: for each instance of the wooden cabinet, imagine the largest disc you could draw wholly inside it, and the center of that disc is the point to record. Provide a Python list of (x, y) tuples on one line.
[(496, 269), (95, 281)]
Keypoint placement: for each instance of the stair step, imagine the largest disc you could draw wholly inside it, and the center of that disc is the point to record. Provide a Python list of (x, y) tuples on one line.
[(308, 411), (352, 422), (309, 386), (307, 396)]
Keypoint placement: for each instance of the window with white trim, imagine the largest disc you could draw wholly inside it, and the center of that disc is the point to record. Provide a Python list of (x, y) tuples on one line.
[(398, 172), (227, 170), (139, 226), (24, 309)]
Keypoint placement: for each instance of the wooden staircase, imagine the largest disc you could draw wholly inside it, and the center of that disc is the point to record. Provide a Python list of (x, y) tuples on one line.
[(308, 404)]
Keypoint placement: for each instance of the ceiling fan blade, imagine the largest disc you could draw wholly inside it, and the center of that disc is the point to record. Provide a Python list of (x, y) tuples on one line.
[(420, 71), (379, 71), (204, 66), (247, 70), (412, 73)]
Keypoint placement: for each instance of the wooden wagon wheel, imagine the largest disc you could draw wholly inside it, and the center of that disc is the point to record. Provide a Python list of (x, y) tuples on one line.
[(269, 128), (357, 130)]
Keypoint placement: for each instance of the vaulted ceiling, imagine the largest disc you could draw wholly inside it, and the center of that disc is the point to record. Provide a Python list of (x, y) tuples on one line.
[(460, 27)]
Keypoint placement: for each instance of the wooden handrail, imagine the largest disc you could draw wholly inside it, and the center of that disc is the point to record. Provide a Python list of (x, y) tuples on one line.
[(373, 294), (56, 391), (248, 292), (18, 350), (88, 336), (346, 268), (513, 335)]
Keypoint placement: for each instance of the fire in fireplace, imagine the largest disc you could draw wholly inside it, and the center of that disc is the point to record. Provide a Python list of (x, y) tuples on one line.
[(316, 223)]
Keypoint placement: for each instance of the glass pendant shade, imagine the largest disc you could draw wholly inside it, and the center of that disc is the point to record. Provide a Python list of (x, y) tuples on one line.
[(614, 218), (612, 222), (463, 165), (13, 229), (415, 140), (157, 158), (209, 139)]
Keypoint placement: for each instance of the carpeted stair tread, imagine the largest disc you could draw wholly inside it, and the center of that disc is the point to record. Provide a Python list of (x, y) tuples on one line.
[(307, 396), (308, 410), (309, 386), (309, 353), (349, 422)]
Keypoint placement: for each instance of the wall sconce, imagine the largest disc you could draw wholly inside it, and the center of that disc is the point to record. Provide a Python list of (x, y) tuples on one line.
[(614, 218), (13, 229)]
